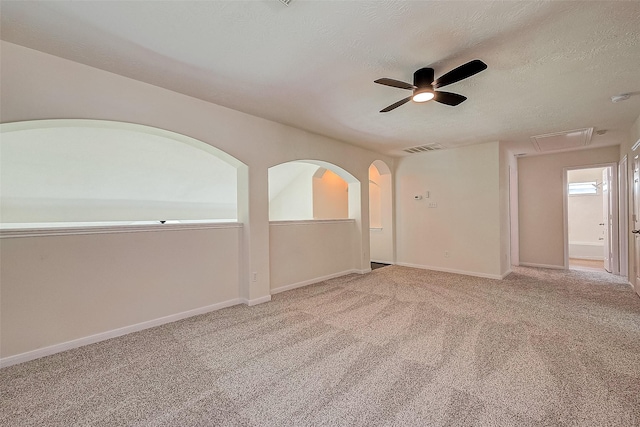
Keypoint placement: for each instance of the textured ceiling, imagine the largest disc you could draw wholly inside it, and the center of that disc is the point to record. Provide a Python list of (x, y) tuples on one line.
[(553, 66)]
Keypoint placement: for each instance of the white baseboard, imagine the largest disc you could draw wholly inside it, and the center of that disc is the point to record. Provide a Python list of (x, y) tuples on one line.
[(256, 301), (382, 262), (590, 258), (531, 264), (102, 336), (452, 270), (316, 280), (506, 273)]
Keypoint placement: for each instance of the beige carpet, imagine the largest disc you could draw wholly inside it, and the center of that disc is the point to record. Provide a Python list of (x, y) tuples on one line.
[(398, 346)]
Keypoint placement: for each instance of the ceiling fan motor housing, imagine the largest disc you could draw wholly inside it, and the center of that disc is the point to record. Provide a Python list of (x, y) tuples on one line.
[(423, 78)]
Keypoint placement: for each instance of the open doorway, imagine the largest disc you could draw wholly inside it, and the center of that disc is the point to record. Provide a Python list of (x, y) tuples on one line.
[(380, 215), (591, 218)]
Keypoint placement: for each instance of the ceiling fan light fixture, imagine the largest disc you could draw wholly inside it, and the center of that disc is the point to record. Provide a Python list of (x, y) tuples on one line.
[(424, 85), (423, 95)]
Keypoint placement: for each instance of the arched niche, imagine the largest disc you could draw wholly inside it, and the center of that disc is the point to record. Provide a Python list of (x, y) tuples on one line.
[(95, 171), (312, 189), (381, 212)]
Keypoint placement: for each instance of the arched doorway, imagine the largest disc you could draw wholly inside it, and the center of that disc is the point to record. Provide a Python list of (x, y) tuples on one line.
[(381, 214)]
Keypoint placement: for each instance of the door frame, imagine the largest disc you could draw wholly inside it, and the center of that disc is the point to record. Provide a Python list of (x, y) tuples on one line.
[(514, 225), (633, 279), (623, 206), (615, 214)]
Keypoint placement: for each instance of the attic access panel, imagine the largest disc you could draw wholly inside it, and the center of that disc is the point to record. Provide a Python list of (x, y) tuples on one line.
[(562, 140)]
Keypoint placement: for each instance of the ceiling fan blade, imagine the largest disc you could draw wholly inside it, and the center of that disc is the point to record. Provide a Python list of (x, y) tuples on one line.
[(460, 73), (449, 98), (396, 105), (395, 83)]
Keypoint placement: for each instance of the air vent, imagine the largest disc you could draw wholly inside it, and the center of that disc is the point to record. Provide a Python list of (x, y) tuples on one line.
[(562, 140), (423, 148)]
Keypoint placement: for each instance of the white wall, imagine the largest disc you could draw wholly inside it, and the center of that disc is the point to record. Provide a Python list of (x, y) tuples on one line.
[(330, 196), (375, 201), (303, 251), (541, 193), (56, 289), (464, 183), (505, 160), (291, 195), (514, 251)]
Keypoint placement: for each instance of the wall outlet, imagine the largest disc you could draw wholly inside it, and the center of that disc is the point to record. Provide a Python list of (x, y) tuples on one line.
[(446, 254), (433, 205), (254, 276)]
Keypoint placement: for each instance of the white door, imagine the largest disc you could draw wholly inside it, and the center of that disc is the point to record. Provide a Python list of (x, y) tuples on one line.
[(607, 217), (636, 220)]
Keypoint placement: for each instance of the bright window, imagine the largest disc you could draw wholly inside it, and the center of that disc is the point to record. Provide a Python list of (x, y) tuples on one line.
[(583, 188)]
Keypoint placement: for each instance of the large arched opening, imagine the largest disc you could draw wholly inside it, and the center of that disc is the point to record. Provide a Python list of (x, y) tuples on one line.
[(84, 172), (109, 228)]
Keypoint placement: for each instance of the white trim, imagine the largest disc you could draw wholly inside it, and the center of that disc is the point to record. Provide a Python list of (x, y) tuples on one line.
[(514, 225), (256, 301), (452, 270), (111, 229), (613, 191), (565, 222), (554, 267), (506, 273), (102, 336), (578, 249), (364, 271), (316, 280), (310, 221), (623, 212), (598, 243), (382, 262)]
